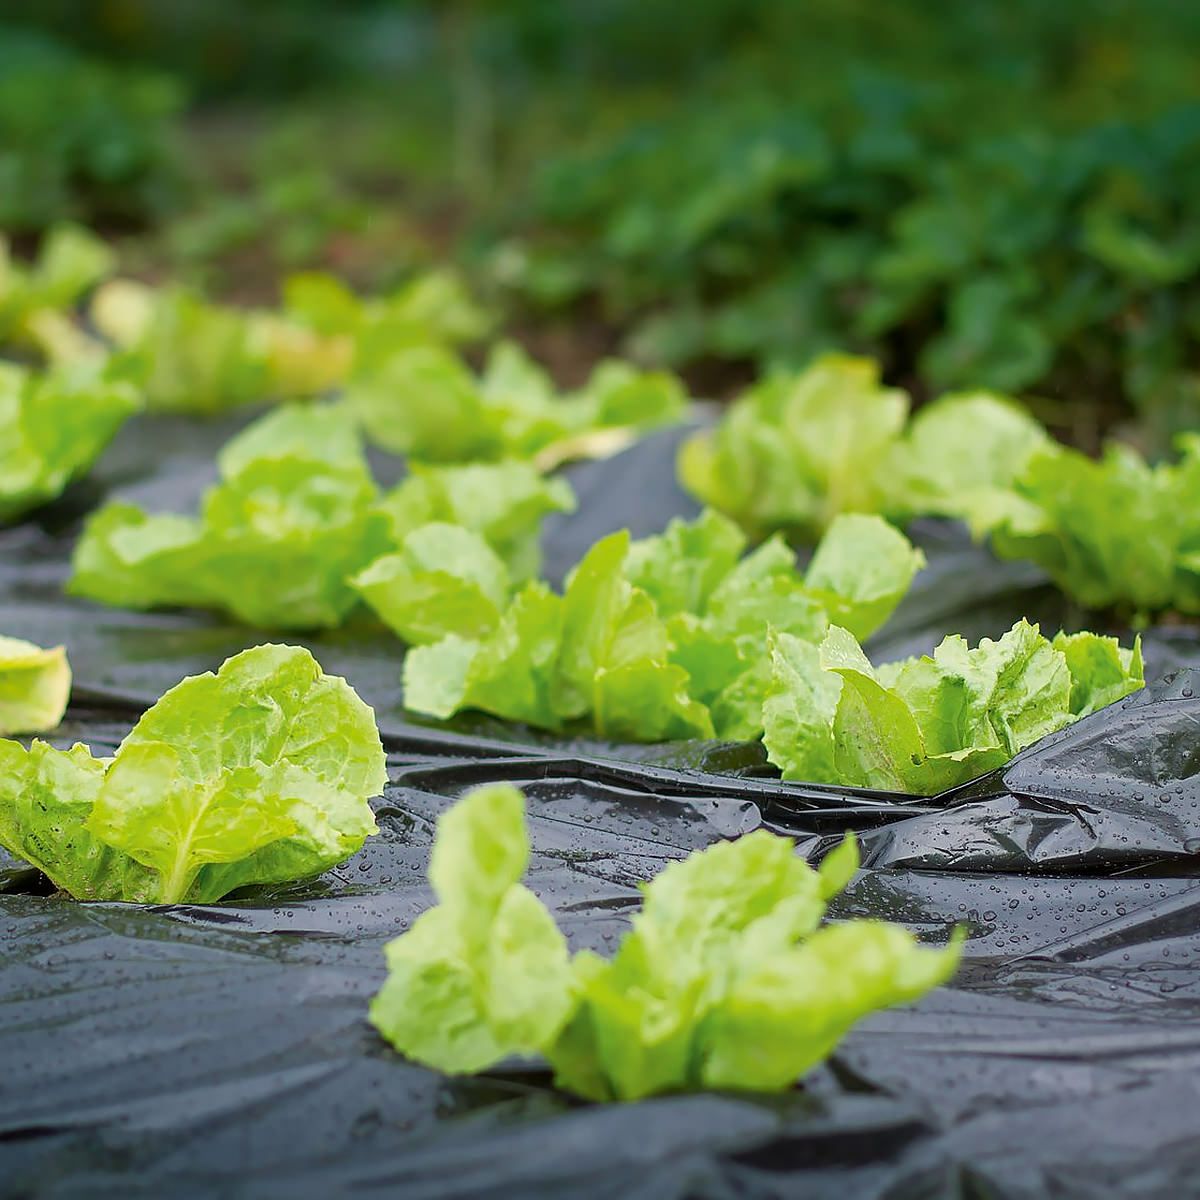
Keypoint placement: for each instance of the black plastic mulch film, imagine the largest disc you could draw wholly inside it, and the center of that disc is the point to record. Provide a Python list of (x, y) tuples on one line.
[(224, 1050)]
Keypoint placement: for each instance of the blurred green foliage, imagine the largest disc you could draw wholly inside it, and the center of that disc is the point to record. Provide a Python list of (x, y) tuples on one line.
[(80, 139), (978, 194)]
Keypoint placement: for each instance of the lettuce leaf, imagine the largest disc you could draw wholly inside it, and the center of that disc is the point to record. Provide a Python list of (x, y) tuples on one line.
[(35, 685), (53, 426), (1107, 532), (599, 651), (504, 502), (277, 541), (422, 400), (797, 450), (726, 979), (257, 774), (961, 454), (182, 353), (486, 973), (511, 673), (444, 579), (927, 724)]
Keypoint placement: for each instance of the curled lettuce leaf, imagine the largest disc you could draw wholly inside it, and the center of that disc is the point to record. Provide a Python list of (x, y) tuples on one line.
[(277, 541), (422, 400), (726, 980), (927, 724), (35, 685), (53, 426), (259, 773), (797, 450)]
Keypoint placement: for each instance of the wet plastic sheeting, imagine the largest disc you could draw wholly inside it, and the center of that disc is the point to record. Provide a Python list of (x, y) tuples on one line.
[(223, 1050)]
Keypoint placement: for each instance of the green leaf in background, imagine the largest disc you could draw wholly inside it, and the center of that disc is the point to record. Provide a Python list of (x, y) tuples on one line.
[(277, 541), (485, 973), (35, 300), (797, 450), (960, 453), (423, 401), (35, 685), (53, 426), (726, 979), (257, 774), (990, 340), (927, 724), (1108, 532)]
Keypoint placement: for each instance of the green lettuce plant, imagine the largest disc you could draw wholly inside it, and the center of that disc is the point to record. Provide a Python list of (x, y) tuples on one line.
[(727, 978), (34, 298), (662, 638), (424, 401), (35, 685), (294, 520), (800, 448), (259, 773), (923, 725), (434, 307), (53, 426), (1113, 533)]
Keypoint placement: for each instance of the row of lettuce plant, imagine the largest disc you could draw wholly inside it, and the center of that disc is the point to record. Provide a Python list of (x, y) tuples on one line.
[(681, 635), (263, 773), (800, 448), (392, 354), (796, 450)]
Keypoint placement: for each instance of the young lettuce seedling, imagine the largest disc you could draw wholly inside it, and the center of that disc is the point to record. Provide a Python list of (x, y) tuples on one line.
[(726, 980)]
